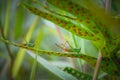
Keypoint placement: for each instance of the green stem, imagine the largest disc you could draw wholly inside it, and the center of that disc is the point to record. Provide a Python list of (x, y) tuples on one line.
[(75, 42), (66, 54), (76, 45), (11, 58), (33, 68), (21, 52), (37, 43), (7, 18)]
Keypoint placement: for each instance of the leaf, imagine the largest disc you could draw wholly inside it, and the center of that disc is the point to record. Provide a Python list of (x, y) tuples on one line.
[(111, 39), (37, 43), (71, 25), (7, 19), (83, 16), (100, 14), (21, 52), (107, 65), (56, 71), (18, 22), (60, 21), (79, 75), (95, 23)]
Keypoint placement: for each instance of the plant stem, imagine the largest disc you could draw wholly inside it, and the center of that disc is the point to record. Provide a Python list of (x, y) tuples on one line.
[(107, 9), (76, 45), (37, 43), (10, 55), (7, 18), (32, 76), (97, 66), (4, 35), (108, 6), (73, 36)]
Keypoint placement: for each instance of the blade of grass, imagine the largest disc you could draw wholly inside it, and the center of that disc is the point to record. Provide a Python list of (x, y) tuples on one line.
[(19, 19), (56, 71), (37, 43), (7, 18), (11, 58), (21, 52), (76, 45)]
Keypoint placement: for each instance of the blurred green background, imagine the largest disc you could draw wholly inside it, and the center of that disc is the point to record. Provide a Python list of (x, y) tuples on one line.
[(20, 21)]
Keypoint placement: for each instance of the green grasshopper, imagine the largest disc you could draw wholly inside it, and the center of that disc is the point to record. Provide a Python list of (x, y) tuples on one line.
[(28, 44), (67, 49)]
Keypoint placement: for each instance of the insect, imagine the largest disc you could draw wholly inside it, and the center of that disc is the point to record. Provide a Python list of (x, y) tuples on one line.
[(71, 49), (27, 44)]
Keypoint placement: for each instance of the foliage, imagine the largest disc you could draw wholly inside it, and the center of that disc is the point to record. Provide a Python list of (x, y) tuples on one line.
[(88, 23)]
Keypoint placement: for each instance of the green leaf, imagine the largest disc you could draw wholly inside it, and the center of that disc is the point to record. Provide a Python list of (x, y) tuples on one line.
[(56, 71), (37, 43), (21, 52), (7, 19), (107, 65), (79, 75), (19, 18), (85, 17), (72, 25), (95, 25)]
